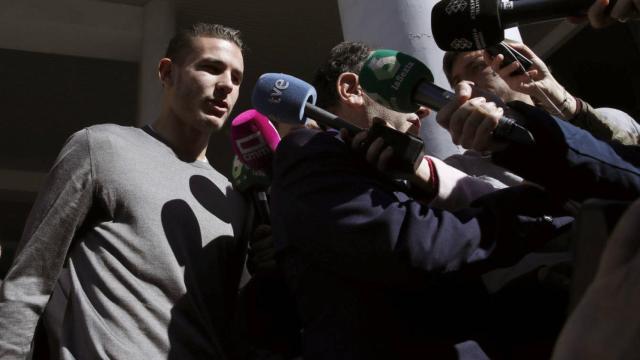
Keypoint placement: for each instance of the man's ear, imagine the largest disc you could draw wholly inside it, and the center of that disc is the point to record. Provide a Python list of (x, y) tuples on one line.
[(165, 66), (349, 90)]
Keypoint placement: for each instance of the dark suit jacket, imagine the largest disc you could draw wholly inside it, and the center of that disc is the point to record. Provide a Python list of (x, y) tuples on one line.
[(377, 274), (570, 161)]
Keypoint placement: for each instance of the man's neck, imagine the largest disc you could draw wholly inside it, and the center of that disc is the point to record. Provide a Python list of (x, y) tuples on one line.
[(189, 143), (354, 117)]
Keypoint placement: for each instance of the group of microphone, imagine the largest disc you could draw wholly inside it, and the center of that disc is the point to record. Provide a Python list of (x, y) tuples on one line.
[(394, 79), (465, 25)]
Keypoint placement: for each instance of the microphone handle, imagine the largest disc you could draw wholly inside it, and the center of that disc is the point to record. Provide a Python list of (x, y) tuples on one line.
[(326, 118), (408, 150), (521, 12), (261, 204), (435, 97)]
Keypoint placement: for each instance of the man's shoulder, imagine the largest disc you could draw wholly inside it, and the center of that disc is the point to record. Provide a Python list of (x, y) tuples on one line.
[(305, 141), (302, 136), (107, 130), (312, 156), (114, 136), (97, 135), (309, 148)]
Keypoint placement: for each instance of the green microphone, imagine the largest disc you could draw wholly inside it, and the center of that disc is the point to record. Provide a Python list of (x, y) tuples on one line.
[(403, 83)]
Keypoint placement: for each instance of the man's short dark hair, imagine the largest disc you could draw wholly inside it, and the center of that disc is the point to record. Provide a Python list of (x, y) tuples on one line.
[(447, 64), (181, 42), (348, 56)]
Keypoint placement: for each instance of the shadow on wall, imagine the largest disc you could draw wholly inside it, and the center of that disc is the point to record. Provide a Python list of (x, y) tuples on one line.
[(600, 66)]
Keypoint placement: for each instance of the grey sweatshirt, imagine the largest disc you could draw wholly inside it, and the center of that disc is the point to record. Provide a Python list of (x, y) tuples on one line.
[(128, 253)]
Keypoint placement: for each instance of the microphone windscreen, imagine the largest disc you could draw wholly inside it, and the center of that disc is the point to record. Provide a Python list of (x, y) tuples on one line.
[(254, 139), (466, 25), (244, 178), (283, 97), (390, 78)]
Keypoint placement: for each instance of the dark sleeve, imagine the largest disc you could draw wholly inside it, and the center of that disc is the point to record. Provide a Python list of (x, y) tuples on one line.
[(602, 126), (331, 207), (58, 212), (570, 161)]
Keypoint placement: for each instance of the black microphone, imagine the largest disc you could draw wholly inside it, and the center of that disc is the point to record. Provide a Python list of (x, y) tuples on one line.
[(465, 25), (521, 12)]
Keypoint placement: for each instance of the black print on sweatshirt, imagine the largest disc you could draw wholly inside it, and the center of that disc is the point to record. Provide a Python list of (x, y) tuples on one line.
[(209, 275)]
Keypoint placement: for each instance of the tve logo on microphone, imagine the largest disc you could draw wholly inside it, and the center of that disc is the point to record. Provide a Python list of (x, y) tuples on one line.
[(275, 97)]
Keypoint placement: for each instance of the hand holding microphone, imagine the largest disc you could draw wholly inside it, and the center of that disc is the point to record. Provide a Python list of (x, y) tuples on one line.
[(538, 83), (520, 82), (603, 13), (402, 83), (471, 121), (261, 254), (380, 155)]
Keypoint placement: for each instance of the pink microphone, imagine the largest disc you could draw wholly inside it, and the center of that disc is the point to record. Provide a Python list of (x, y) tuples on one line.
[(254, 140)]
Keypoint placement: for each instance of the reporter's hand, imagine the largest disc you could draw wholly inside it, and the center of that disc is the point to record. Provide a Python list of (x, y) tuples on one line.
[(262, 252), (623, 10), (538, 82), (378, 154), (471, 121)]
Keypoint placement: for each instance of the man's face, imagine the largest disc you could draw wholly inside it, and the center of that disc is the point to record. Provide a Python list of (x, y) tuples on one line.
[(406, 123), (205, 86), (472, 67)]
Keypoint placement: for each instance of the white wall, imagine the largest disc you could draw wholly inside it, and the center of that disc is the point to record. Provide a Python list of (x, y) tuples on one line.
[(403, 25)]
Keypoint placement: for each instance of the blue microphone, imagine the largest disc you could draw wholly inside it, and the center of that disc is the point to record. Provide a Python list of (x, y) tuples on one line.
[(290, 100)]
